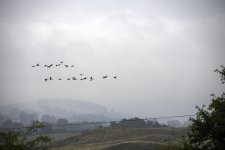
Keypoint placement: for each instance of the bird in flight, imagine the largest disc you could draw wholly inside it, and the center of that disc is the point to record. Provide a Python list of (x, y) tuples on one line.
[(66, 66), (60, 79), (46, 80), (33, 66), (68, 79), (115, 77), (91, 79), (83, 78), (104, 77), (61, 62), (37, 65), (74, 78), (50, 78), (72, 66)]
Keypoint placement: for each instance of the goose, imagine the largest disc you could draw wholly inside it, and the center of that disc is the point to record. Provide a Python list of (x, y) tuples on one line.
[(83, 78), (104, 77)]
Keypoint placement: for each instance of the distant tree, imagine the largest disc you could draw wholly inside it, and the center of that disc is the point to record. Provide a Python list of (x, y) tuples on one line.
[(174, 123), (48, 118), (129, 123), (26, 118), (2, 118), (153, 124), (7, 124), (62, 122), (11, 124), (14, 140), (60, 125), (208, 129)]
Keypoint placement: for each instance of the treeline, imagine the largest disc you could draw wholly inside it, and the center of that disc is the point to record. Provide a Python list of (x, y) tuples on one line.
[(61, 126), (136, 123)]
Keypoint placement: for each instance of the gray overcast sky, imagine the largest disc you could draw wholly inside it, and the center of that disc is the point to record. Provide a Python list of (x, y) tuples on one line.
[(164, 52)]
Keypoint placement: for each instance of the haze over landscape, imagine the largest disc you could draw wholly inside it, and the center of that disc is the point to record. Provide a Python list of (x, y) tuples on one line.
[(162, 52)]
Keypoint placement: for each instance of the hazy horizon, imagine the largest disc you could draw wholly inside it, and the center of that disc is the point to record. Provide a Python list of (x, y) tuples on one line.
[(162, 52)]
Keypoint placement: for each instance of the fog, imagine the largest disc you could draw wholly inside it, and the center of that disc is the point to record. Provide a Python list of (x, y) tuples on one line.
[(162, 52)]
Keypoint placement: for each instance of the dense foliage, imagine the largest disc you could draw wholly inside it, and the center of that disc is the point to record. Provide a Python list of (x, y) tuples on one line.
[(28, 139), (136, 123), (208, 129)]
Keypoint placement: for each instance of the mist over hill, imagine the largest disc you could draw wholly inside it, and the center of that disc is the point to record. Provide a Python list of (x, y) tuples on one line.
[(53, 109)]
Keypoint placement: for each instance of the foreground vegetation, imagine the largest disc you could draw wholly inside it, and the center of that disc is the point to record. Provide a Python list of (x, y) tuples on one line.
[(26, 139)]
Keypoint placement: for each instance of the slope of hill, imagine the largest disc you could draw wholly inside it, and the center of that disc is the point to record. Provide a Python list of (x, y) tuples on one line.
[(70, 109), (117, 138)]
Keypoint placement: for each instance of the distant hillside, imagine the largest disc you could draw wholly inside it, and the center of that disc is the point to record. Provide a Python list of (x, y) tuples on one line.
[(124, 139), (73, 110)]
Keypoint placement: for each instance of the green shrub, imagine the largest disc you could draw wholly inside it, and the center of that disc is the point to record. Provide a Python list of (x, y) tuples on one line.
[(29, 139)]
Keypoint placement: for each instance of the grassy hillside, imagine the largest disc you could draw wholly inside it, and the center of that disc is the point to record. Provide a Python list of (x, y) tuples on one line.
[(124, 139)]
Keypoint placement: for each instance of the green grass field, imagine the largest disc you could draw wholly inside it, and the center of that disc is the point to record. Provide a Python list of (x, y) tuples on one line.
[(121, 139)]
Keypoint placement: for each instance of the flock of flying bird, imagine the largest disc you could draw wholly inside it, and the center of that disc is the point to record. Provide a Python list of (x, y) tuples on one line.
[(72, 78), (51, 65)]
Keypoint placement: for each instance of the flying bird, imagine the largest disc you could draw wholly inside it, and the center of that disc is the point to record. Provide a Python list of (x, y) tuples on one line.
[(33, 66), (66, 66), (50, 78), (37, 65), (74, 78), (60, 79), (68, 79), (104, 77), (83, 78), (61, 62), (115, 77), (72, 66), (91, 79), (46, 80)]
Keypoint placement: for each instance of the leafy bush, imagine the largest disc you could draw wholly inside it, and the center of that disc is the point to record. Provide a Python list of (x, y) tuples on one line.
[(29, 139)]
